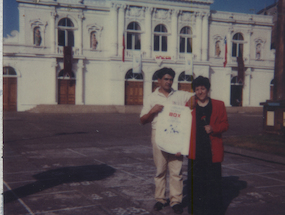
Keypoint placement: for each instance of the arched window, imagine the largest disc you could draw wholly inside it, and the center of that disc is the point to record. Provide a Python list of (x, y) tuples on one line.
[(185, 40), (134, 76), (37, 36), (65, 32), (160, 38), (65, 75), (93, 40), (237, 47), (9, 71), (134, 36)]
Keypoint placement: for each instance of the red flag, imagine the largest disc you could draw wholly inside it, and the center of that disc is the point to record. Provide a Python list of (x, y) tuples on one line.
[(226, 51), (240, 69), (123, 54), (67, 56)]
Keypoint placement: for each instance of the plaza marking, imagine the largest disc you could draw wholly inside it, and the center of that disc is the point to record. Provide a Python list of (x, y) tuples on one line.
[(65, 209), (130, 211), (258, 174), (282, 185), (96, 197), (19, 199)]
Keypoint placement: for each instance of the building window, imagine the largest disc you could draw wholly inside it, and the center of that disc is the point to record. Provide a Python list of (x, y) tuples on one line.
[(185, 40), (9, 71), (93, 40), (65, 32), (134, 76), (37, 36), (237, 48), (160, 38), (134, 36)]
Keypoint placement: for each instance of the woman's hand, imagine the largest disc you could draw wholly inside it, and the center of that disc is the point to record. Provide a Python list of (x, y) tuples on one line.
[(208, 129)]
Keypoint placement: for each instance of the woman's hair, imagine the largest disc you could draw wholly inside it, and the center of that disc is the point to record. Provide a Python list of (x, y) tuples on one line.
[(164, 71), (201, 81)]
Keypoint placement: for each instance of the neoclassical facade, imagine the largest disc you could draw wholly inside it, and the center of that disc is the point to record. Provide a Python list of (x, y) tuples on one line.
[(107, 37)]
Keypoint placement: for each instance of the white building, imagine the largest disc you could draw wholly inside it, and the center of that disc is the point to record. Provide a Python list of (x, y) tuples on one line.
[(163, 32)]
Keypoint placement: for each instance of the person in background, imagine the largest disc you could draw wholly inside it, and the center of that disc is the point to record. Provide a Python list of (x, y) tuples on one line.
[(206, 152)]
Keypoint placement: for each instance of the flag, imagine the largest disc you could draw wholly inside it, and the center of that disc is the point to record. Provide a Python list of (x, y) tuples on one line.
[(123, 54), (226, 51), (240, 69), (188, 64), (137, 62), (67, 60)]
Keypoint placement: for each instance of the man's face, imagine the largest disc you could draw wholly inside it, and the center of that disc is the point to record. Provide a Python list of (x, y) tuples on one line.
[(201, 93), (166, 82)]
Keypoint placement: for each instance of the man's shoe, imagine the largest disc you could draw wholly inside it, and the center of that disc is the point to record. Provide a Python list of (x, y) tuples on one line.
[(178, 209), (158, 206)]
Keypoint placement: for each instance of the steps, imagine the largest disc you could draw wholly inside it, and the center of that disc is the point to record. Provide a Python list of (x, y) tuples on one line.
[(118, 109)]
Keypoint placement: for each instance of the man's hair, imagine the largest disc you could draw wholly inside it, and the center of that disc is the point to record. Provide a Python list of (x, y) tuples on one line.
[(164, 71), (201, 81)]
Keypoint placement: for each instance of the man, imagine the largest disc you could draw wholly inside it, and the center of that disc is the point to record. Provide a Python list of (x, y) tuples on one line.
[(154, 104)]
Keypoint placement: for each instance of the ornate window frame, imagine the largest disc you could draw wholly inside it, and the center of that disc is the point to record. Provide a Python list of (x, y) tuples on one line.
[(97, 29), (37, 23)]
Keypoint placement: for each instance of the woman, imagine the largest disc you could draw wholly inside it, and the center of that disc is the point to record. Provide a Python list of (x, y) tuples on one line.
[(209, 121)]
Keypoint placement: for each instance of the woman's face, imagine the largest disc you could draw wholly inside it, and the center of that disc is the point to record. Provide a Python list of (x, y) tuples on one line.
[(201, 93)]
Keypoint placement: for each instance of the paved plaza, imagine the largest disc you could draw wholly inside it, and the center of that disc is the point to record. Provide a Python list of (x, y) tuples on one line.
[(101, 164)]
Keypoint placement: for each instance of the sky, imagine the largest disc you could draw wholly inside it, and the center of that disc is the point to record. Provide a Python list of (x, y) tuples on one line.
[(11, 13)]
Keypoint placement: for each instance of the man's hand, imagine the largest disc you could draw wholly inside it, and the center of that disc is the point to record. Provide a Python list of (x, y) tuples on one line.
[(156, 109), (192, 102), (208, 129), (178, 154), (151, 114)]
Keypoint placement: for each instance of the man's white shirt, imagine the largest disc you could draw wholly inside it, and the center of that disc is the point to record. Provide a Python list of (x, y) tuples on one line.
[(175, 97)]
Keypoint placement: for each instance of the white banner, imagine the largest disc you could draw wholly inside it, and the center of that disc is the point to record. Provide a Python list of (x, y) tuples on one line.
[(137, 62), (188, 64), (174, 129)]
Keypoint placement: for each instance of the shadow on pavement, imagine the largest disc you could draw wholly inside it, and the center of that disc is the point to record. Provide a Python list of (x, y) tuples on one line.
[(59, 176), (231, 187)]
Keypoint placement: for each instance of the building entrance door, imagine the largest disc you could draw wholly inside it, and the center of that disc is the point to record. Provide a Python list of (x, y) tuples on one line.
[(66, 88), (9, 89), (134, 92), (9, 94), (66, 91)]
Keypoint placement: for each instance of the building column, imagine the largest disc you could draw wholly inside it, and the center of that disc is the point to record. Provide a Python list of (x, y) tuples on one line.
[(79, 88), (205, 35), (53, 31), (246, 88), (54, 83), (114, 29), (81, 17), (250, 32), (121, 28), (174, 30), (148, 31), (198, 49), (227, 93)]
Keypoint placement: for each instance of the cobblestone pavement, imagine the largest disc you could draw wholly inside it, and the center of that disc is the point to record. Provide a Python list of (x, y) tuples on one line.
[(99, 164)]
